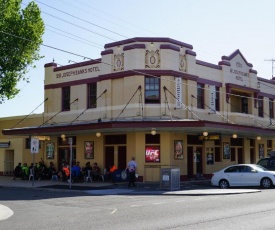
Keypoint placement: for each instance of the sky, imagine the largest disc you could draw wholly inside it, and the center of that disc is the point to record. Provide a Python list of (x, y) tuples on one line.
[(80, 28)]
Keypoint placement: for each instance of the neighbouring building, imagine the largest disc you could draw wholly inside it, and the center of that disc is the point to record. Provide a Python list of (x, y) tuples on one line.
[(152, 99)]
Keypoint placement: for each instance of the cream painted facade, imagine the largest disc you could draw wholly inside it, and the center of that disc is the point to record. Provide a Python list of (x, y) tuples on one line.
[(124, 108)]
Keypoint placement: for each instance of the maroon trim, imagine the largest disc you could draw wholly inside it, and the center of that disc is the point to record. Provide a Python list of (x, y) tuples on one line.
[(224, 63), (171, 47), (50, 64), (271, 81), (242, 87), (123, 74), (148, 39), (235, 53), (148, 72), (229, 87), (253, 71), (105, 52), (134, 46), (208, 65), (272, 96), (71, 83), (190, 52), (76, 65), (209, 82), (138, 125)]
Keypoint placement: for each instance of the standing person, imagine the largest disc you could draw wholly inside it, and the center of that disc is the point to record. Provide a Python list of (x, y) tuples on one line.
[(132, 167)]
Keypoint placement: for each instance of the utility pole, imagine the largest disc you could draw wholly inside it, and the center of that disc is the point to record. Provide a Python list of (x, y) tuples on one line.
[(272, 60)]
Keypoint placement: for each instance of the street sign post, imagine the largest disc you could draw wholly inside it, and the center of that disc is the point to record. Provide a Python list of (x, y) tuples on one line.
[(34, 150)]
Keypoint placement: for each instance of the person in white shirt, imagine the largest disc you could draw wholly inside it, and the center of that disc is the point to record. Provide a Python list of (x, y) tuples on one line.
[(132, 168)]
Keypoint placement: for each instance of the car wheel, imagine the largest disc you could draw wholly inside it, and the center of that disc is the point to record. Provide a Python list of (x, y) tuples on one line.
[(266, 183), (223, 184)]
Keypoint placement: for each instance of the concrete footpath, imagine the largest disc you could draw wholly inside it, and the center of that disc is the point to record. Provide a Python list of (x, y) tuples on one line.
[(191, 188)]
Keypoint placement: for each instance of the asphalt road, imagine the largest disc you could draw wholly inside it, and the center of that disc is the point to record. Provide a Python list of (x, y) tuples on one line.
[(44, 209)]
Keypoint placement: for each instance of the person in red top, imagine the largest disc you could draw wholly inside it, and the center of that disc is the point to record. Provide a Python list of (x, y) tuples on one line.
[(66, 172)]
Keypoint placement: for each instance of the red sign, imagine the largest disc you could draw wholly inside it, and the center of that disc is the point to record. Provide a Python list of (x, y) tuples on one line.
[(152, 154)]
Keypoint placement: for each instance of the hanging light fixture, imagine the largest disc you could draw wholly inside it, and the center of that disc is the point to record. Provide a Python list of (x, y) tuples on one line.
[(259, 138), (234, 135), (98, 134), (63, 136), (153, 131), (205, 134)]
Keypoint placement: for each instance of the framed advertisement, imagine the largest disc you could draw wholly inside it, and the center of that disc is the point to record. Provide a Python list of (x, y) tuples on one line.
[(89, 150), (152, 154), (50, 150), (178, 149), (226, 150)]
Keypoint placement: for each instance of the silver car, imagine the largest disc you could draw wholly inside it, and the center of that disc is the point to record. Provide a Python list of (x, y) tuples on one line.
[(243, 175)]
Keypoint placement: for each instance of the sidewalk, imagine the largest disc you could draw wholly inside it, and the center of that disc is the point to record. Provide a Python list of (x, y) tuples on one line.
[(196, 187)]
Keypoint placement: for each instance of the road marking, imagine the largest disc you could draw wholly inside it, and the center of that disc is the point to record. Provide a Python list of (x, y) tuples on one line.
[(5, 212), (136, 205), (180, 200), (113, 211), (159, 203)]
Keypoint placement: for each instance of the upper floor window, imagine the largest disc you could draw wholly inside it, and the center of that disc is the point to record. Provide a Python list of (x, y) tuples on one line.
[(261, 107), (66, 97), (200, 96), (244, 105), (92, 91), (217, 99), (271, 108), (152, 90)]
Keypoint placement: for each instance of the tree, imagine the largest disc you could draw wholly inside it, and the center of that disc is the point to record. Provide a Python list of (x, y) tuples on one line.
[(21, 33)]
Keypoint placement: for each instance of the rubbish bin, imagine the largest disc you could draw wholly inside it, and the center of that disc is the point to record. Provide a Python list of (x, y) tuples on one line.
[(120, 176), (170, 178)]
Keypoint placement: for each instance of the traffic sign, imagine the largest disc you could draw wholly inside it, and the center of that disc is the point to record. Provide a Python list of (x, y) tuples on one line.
[(34, 145)]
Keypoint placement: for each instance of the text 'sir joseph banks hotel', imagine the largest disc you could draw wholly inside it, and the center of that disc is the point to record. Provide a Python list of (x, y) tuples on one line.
[(152, 99)]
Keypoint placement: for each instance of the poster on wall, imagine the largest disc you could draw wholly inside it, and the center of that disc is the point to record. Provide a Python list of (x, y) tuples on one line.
[(210, 156), (152, 154), (89, 150), (178, 150), (261, 151), (226, 150), (50, 150)]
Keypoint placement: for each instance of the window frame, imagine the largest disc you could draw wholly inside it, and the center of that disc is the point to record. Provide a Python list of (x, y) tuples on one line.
[(153, 82), (66, 98), (92, 95), (200, 96), (261, 106), (271, 108)]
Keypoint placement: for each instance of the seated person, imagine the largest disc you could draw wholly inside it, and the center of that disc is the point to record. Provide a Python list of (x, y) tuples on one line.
[(96, 171), (66, 173), (110, 175), (18, 172), (86, 168), (76, 171), (25, 170), (52, 169)]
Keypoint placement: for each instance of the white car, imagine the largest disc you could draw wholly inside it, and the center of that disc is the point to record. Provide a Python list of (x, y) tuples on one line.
[(243, 175)]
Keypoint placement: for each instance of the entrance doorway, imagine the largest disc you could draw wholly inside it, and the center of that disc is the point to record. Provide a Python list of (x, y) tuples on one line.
[(64, 156), (8, 162), (109, 157), (121, 157), (190, 160), (113, 156)]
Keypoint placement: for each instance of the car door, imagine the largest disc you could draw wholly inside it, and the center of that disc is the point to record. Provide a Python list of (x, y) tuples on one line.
[(248, 176), (232, 175)]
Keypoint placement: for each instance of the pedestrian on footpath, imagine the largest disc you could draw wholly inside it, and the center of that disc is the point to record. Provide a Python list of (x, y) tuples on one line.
[(132, 168)]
